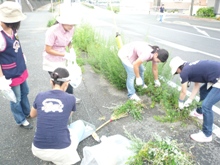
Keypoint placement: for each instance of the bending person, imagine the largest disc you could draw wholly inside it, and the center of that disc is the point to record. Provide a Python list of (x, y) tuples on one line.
[(201, 71), (132, 56), (53, 140)]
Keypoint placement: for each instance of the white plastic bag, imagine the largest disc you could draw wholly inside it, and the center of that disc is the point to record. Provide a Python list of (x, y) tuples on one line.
[(113, 150), (75, 73), (9, 95)]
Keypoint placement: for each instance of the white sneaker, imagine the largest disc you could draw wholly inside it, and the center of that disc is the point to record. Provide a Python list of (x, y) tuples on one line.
[(135, 97), (195, 114), (78, 100), (144, 86), (201, 137)]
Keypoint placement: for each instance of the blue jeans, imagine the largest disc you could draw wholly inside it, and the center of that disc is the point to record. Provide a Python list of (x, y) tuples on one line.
[(210, 97), (20, 109), (131, 78), (161, 17)]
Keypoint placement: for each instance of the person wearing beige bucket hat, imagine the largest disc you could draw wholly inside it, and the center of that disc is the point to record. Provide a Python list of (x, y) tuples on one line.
[(13, 70), (58, 41), (201, 71)]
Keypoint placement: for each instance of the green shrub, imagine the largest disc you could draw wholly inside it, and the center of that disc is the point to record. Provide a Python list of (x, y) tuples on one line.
[(206, 12), (51, 22)]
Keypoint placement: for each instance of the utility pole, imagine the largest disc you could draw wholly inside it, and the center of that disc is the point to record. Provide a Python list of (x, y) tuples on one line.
[(191, 8)]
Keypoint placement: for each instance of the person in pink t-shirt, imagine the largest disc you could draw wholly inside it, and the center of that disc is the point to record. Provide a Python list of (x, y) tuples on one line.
[(58, 40), (132, 56)]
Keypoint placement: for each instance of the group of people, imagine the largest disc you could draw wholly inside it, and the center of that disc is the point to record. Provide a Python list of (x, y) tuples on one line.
[(54, 140)]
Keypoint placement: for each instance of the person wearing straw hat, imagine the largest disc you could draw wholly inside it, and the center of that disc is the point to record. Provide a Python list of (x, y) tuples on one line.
[(132, 56), (13, 70), (58, 40), (201, 71), (54, 140)]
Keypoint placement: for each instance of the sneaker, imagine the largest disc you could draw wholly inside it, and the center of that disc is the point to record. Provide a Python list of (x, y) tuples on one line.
[(78, 100), (195, 114), (201, 137), (144, 86), (26, 125), (135, 97)]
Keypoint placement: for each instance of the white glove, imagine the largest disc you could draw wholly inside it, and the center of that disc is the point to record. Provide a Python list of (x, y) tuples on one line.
[(187, 102), (70, 56), (4, 83), (181, 104), (157, 83), (139, 81)]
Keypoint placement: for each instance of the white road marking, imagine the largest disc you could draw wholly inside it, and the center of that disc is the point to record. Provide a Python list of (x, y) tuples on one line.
[(201, 31), (183, 48)]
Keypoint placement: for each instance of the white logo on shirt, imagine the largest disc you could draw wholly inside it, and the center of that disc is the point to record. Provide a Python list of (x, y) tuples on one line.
[(52, 105), (16, 46)]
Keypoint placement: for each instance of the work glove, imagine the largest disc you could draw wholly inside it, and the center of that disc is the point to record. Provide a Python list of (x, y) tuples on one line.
[(4, 83), (181, 104), (139, 81), (188, 102), (156, 83)]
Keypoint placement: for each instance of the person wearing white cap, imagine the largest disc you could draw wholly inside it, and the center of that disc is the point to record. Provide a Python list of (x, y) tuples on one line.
[(132, 56), (58, 40), (13, 70), (201, 71)]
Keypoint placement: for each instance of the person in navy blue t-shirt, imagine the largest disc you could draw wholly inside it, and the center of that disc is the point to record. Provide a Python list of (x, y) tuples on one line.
[(53, 140), (201, 71)]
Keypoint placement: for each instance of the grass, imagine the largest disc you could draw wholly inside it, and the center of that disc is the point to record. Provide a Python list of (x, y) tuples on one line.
[(158, 151)]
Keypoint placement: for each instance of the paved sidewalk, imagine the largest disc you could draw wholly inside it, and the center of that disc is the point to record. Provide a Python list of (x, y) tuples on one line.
[(98, 98)]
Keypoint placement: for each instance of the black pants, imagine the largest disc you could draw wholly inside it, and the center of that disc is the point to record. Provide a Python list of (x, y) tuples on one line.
[(69, 88)]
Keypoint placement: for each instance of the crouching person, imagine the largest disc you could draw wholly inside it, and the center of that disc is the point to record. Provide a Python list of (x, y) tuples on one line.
[(53, 140)]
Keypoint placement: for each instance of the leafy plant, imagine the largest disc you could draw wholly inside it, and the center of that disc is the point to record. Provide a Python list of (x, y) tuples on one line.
[(158, 151), (206, 12), (135, 109)]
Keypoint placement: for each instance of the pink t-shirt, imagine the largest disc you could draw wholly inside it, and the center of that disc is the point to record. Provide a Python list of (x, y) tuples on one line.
[(58, 39), (135, 50)]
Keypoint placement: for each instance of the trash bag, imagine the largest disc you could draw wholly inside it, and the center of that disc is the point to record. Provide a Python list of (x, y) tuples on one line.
[(75, 73), (113, 150), (9, 95)]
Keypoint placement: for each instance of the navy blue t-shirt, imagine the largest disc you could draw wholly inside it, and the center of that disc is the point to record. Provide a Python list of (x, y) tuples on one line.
[(202, 71), (53, 111)]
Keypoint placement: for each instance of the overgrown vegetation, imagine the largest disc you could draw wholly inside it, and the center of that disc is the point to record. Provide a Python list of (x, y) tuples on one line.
[(102, 56), (206, 12), (158, 151)]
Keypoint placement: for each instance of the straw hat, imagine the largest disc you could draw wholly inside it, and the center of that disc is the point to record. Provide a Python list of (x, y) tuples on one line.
[(175, 63), (10, 12)]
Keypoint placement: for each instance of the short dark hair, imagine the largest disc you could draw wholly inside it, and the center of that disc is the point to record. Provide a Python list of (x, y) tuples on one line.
[(162, 55)]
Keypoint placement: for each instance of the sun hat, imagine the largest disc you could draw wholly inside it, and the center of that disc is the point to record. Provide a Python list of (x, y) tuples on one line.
[(175, 63), (10, 12), (162, 55), (69, 17)]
